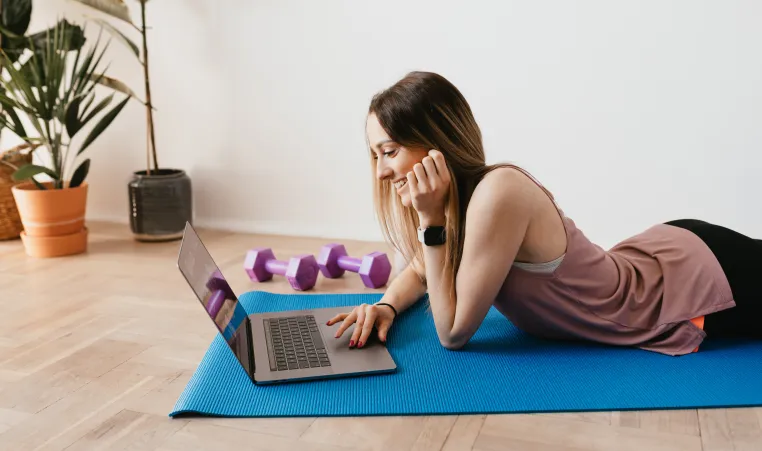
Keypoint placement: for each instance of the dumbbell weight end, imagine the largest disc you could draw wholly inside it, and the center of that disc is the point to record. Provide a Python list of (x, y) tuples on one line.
[(301, 271), (375, 269)]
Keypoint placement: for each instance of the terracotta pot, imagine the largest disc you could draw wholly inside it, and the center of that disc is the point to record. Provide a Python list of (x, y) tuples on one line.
[(55, 214), (55, 246)]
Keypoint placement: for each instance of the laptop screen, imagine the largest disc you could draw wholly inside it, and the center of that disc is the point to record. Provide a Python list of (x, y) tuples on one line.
[(216, 296)]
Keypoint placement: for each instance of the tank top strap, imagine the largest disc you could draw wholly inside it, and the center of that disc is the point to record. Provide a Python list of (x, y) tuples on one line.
[(552, 198), (537, 182)]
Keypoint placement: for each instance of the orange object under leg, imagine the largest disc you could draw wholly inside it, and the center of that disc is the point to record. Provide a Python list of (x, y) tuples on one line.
[(699, 322)]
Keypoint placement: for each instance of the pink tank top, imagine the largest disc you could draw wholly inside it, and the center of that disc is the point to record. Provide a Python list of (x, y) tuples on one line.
[(649, 291)]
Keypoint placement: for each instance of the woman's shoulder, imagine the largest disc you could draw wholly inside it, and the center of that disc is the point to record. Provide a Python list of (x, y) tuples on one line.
[(506, 182), (504, 189)]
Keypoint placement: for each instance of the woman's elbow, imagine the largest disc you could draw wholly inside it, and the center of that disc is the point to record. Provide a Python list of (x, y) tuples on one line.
[(453, 344)]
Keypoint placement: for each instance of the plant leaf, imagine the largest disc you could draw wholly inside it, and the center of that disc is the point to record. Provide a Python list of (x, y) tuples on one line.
[(39, 185), (88, 103), (80, 174), (30, 170), (18, 82), (115, 8), (16, 15), (113, 84), (15, 125), (72, 36), (120, 36), (72, 117), (103, 124), (101, 105), (10, 103)]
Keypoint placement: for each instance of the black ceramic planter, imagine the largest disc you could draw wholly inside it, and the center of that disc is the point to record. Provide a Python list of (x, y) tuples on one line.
[(160, 204)]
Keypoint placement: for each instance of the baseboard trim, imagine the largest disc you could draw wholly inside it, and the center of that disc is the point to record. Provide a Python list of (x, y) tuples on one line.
[(326, 231)]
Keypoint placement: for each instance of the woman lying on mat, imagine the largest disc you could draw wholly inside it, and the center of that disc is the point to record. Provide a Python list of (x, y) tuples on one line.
[(478, 235)]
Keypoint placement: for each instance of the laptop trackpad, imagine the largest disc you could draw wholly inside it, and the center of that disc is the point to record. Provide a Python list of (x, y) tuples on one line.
[(372, 356)]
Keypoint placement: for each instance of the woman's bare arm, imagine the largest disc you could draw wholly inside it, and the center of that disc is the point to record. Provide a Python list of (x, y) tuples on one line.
[(496, 222), (405, 289)]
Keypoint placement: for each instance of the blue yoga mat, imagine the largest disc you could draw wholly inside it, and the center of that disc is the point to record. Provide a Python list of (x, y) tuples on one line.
[(501, 370)]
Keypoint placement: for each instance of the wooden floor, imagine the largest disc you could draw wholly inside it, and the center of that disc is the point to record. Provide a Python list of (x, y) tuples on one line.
[(95, 349)]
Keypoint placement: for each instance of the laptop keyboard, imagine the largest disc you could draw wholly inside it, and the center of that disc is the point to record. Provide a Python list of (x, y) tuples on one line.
[(294, 343)]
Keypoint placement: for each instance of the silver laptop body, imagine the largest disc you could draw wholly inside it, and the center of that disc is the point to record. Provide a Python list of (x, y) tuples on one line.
[(285, 346)]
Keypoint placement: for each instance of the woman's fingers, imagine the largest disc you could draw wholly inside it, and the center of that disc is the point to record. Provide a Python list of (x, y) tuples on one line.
[(361, 314), (367, 325), (336, 319), (412, 182), (441, 165), (432, 172), (420, 174), (365, 318), (382, 326), (348, 320)]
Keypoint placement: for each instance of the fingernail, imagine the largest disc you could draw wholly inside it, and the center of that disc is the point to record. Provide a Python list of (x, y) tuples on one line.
[(359, 345), (351, 343)]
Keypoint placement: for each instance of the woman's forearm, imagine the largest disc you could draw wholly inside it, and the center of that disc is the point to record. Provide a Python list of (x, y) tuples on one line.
[(404, 290), (439, 285), (442, 304)]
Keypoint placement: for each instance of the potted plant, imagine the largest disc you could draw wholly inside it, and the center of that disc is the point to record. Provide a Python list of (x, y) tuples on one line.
[(160, 198), (57, 96), (15, 16)]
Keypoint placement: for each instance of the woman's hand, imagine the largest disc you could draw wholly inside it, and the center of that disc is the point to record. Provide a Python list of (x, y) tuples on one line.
[(366, 316), (429, 182)]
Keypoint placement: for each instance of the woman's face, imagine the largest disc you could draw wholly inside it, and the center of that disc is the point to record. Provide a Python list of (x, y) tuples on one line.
[(393, 161)]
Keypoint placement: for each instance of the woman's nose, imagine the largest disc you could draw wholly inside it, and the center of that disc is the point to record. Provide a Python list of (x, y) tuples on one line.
[(383, 171)]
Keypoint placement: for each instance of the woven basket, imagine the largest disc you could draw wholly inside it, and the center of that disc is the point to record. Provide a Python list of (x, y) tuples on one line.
[(10, 222)]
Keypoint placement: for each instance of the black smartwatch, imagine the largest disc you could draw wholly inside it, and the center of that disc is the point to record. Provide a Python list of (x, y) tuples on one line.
[(432, 235)]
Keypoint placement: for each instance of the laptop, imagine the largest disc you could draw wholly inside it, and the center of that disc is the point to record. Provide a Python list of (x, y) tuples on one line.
[(276, 347)]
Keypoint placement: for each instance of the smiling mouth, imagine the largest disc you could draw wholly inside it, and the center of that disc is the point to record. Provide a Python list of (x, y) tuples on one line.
[(400, 184)]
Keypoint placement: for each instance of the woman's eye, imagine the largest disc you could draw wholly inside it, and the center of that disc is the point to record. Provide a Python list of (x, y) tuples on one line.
[(390, 152)]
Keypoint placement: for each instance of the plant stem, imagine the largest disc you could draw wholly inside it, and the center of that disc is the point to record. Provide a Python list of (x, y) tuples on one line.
[(149, 106)]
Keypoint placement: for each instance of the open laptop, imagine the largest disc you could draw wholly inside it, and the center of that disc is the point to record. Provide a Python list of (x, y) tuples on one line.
[(284, 346)]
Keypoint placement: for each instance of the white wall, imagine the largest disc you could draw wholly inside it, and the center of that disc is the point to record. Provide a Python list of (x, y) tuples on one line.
[(630, 112)]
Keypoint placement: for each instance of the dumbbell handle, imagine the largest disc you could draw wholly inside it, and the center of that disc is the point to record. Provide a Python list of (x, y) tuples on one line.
[(276, 266), (349, 263)]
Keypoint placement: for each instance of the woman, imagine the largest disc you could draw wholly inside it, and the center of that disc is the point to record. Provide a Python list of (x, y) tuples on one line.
[(477, 236)]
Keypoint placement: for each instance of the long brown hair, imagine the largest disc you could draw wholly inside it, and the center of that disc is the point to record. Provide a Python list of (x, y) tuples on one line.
[(425, 110)]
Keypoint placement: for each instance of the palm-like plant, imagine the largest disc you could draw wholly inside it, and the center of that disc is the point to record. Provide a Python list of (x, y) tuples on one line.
[(15, 16), (58, 103), (119, 10)]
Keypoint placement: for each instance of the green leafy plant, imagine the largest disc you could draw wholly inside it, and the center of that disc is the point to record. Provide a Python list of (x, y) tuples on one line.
[(119, 10), (15, 16), (58, 102)]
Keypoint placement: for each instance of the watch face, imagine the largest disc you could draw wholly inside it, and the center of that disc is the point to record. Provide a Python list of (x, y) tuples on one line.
[(434, 236)]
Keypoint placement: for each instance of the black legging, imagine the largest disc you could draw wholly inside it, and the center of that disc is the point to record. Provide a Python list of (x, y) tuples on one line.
[(741, 259)]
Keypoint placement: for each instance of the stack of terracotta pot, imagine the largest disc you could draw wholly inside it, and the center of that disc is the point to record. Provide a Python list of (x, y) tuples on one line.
[(53, 219)]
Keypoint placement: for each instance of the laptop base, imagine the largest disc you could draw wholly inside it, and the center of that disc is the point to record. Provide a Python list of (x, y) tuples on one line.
[(372, 358)]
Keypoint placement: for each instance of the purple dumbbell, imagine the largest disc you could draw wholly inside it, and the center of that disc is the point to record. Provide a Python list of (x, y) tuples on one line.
[(217, 282), (216, 299), (300, 271), (374, 268)]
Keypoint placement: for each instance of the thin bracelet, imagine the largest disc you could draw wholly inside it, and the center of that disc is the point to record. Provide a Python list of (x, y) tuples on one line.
[(390, 306)]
